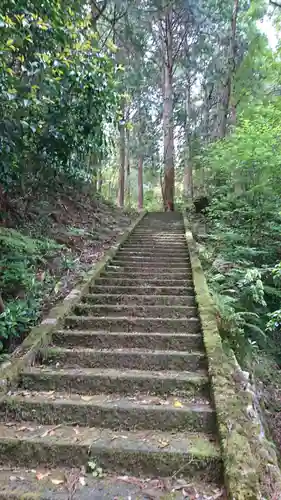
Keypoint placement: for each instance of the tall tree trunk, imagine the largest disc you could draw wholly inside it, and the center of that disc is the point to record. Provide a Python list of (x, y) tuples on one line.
[(226, 89), (140, 182), (206, 113), (100, 180), (168, 119), (2, 307), (128, 168), (188, 174), (122, 157)]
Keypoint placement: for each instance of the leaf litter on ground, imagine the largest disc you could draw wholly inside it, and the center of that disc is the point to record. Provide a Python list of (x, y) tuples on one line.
[(153, 489)]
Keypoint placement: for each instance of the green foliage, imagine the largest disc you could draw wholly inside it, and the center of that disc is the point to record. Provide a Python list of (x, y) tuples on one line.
[(244, 179), (95, 470), (274, 323), (22, 288), (57, 89), (16, 320)]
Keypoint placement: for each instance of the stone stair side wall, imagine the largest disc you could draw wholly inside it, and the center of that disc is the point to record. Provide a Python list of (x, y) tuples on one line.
[(250, 463)]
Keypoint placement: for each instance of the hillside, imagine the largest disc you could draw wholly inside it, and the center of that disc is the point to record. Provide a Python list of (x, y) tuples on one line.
[(45, 249)]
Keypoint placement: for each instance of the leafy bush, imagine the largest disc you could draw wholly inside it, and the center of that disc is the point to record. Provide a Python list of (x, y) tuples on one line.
[(244, 179), (16, 320), (58, 89), (22, 288)]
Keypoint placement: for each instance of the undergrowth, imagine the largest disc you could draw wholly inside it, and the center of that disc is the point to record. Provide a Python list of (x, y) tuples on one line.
[(244, 277), (45, 250), (23, 282)]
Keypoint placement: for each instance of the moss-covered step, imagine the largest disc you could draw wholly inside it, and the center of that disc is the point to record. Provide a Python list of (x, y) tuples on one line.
[(155, 240), (141, 411), (142, 289), (137, 257), (156, 252), (150, 280), (111, 340), (146, 275), (138, 452), (140, 230), (154, 245), (156, 235), (140, 300), (159, 269), (157, 311), (122, 358), (110, 381), (127, 324), (159, 255), (21, 484), (148, 265)]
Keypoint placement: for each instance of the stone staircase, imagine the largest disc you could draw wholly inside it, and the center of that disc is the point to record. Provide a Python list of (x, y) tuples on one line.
[(125, 380)]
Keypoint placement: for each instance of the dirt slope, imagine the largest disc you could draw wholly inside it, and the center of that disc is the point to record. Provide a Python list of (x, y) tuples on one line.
[(44, 248)]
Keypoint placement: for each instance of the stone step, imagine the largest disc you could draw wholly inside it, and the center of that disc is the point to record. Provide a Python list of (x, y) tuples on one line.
[(146, 283), (167, 249), (154, 235), (112, 411), (159, 236), (179, 231), (112, 340), (122, 358), (159, 256), (161, 231), (151, 260), (109, 381), (147, 265), (18, 483), (137, 452), (139, 300), (152, 242), (150, 290), (135, 311), (142, 274), (140, 324)]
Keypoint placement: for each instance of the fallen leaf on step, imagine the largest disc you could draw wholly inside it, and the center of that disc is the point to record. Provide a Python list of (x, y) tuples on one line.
[(178, 404), (86, 398), (50, 432), (82, 481), (76, 430), (119, 437), (42, 475), (13, 478), (181, 485), (163, 444), (57, 287), (57, 481), (151, 495)]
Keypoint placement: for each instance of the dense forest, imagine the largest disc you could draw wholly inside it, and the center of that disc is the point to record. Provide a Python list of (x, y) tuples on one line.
[(145, 104)]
